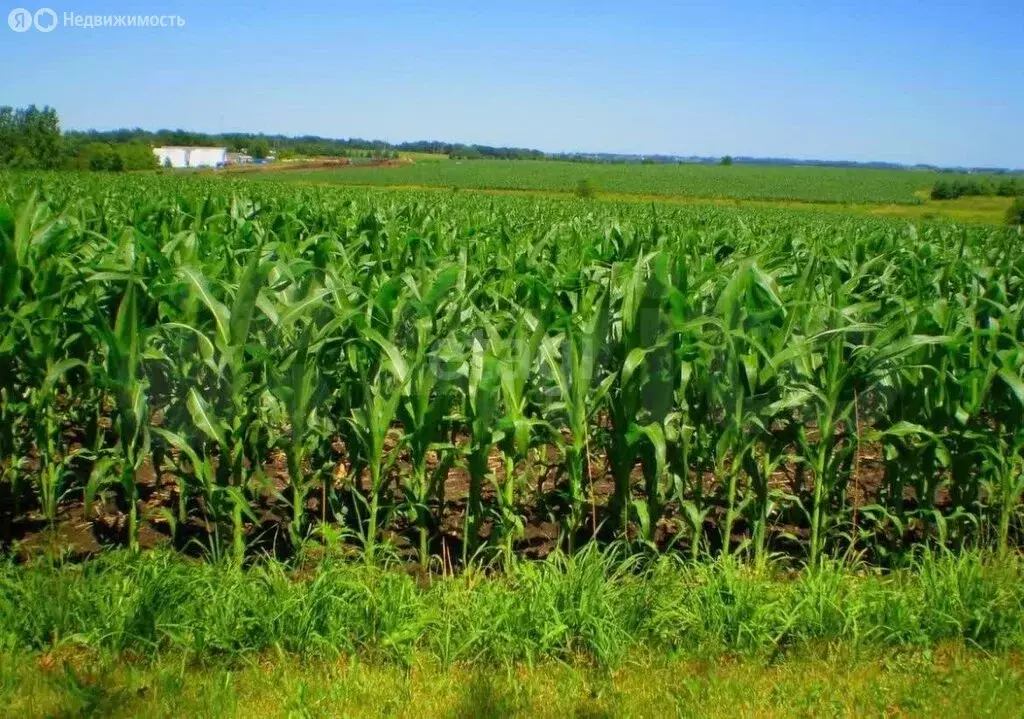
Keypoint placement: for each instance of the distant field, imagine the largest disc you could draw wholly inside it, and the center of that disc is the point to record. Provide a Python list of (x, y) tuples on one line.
[(812, 188), (423, 156), (808, 184)]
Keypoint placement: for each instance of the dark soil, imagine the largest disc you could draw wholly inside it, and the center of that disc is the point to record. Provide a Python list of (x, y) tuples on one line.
[(78, 535)]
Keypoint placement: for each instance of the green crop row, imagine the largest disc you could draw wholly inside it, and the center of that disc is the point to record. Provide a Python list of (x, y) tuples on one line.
[(445, 374)]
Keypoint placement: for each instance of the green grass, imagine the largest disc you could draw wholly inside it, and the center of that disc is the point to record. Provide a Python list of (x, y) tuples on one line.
[(990, 210), (595, 636), (951, 682), (594, 607), (810, 184)]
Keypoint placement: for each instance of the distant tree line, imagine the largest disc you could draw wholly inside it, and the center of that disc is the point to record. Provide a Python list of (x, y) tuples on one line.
[(105, 156), (461, 151), (259, 145), (970, 187), (30, 139)]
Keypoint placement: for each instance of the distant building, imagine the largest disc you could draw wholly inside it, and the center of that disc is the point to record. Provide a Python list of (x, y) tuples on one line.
[(179, 156)]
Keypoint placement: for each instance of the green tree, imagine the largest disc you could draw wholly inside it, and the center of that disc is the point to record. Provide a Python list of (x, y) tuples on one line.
[(1015, 214), (727, 160), (30, 138), (1009, 188), (105, 157), (8, 135), (137, 156), (944, 191), (259, 148), (96, 156)]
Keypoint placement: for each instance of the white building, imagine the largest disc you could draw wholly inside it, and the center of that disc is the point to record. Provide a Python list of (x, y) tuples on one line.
[(178, 156)]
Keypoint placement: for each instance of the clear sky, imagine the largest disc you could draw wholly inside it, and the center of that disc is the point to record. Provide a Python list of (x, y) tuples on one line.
[(900, 80)]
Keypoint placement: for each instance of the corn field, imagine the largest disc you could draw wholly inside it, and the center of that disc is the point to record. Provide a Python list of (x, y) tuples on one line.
[(449, 376)]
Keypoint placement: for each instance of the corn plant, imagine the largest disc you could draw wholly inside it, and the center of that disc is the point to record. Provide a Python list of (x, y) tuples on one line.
[(519, 426), (229, 421), (572, 359), (126, 345), (481, 387), (40, 284), (385, 376)]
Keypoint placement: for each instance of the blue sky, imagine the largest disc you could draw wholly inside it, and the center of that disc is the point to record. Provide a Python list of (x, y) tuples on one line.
[(938, 82)]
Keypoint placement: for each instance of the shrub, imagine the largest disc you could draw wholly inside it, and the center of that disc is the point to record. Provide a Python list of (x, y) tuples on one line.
[(99, 157), (943, 191), (586, 189), (1015, 214), (969, 188), (136, 156), (1009, 188)]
